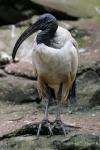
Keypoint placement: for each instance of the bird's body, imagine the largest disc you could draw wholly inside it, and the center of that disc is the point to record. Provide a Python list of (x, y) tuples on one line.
[(56, 64), (55, 61)]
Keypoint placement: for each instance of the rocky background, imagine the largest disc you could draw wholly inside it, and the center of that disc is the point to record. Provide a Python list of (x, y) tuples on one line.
[(20, 106)]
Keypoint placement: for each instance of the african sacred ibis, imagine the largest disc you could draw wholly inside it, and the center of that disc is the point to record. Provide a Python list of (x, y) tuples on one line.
[(55, 61)]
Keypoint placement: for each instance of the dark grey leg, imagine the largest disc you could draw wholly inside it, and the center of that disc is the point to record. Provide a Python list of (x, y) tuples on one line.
[(59, 102), (45, 119), (58, 120), (72, 93)]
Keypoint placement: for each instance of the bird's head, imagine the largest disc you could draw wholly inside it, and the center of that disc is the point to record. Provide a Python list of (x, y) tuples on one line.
[(42, 23)]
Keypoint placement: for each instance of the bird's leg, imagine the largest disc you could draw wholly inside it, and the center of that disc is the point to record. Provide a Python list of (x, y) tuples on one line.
[(58, 117), (58, 120), (72, 93), (45, 119)]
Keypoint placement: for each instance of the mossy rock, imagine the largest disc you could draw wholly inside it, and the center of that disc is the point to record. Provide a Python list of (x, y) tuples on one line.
[(15, 143), (80, 142)]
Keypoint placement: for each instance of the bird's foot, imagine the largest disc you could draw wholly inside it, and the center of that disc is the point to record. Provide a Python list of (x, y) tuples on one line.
[(64, 127), (59, 122), (44, 122)]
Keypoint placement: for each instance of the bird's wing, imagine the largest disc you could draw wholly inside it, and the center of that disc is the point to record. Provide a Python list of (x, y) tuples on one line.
[(33, 62), (74, 43), (68, 37), (34, 70), (61, 37)]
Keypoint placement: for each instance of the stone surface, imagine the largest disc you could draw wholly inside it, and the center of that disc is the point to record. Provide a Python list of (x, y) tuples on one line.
[(22, 69), (22, 143), (8, 37), (80, 142), (4, 58), (24, 9), (2, 73), (18, 90), (79, 8), (89, 89), (74, 142)]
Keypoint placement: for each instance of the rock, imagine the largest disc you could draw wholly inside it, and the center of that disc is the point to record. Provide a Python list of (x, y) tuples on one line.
[(95, 100), (18, 90), (71, 8), (2, 73), (88, 89), (22, 69), (22, 143), (4, 58), (27, 143), (8, 37), (97, 68), (79, 142)]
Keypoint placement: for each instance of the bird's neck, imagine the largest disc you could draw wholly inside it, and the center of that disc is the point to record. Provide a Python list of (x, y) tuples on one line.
[(46, 35)]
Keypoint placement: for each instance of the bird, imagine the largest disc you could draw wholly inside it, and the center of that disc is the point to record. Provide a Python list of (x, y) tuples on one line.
[(55, 61)]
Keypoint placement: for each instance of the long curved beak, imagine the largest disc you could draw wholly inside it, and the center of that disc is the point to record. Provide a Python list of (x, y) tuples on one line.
[(29, 31)]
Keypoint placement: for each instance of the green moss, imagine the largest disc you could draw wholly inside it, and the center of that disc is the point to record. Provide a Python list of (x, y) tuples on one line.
[(83, 37), (81, 142)]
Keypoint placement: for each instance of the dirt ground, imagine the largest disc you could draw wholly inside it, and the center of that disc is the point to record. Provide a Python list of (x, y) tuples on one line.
[(16, 116)]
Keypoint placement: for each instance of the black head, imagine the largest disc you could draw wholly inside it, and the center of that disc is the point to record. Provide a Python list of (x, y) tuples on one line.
[(44, 22)]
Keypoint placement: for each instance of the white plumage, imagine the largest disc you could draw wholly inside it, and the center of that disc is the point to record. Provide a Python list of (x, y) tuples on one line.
[(56, 65)]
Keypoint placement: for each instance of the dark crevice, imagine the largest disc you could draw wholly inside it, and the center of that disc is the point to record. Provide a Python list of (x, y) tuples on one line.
[(84, 70), (12, 12), (31, 129)]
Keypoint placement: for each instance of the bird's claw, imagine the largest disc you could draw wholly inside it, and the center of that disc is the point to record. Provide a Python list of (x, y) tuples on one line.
[(42, 123), (61, 124)]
